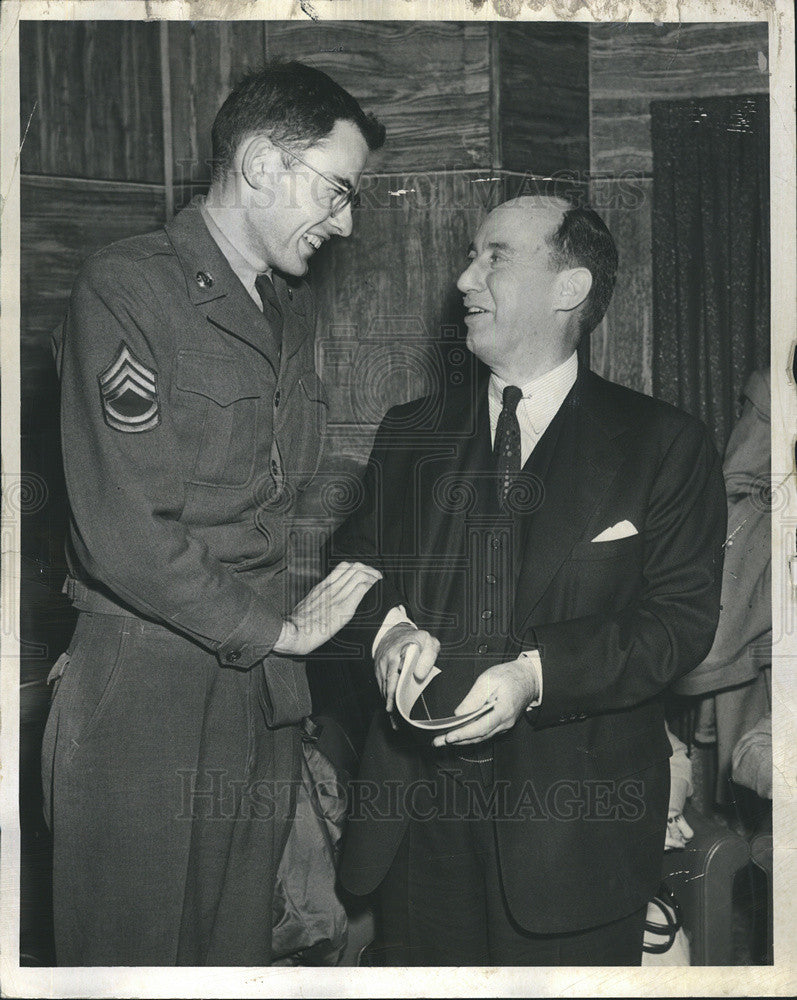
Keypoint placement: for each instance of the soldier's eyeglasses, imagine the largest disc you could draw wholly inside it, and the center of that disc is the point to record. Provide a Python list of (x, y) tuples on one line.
[(346, 194)]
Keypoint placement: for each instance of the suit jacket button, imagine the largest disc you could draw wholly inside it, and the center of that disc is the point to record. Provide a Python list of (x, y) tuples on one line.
[(234, 656), (290, 293), (204, 280), (277, 398), (483, 647)]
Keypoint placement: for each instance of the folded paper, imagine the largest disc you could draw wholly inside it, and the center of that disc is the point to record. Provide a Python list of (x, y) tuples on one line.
[(409, 689)]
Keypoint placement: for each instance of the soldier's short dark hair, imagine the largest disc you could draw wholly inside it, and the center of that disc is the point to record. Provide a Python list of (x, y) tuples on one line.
[(295, 104), (582, 240)]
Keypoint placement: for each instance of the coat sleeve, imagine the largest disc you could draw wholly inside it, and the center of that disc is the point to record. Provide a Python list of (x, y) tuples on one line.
[(611, 661), (368, 534), (742, 645), (125, 486)]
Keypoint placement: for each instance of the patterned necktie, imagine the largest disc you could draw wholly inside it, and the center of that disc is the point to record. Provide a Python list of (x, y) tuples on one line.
[(507, 442), (271, 306)]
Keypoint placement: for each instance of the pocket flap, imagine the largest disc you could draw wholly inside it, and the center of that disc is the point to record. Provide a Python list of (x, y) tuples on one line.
[(628, 546), (215, 376)]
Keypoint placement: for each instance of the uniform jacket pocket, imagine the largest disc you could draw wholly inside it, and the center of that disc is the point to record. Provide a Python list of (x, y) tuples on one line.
[(217, 402)]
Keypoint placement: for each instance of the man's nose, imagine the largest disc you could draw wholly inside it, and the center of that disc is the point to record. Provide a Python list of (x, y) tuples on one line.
[(342, 222), (468, 280)]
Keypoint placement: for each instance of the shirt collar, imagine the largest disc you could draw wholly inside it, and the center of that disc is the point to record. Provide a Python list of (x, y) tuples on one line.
[(553, 385), (244, 269)]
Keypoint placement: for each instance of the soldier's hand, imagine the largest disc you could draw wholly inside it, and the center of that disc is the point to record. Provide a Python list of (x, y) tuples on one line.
[(326, 609), (390, 652)]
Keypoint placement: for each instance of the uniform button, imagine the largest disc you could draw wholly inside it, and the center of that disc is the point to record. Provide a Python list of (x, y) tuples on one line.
[(204, 280), (277, 398), (234, 656), (483, 647), (290, 293), (496, 543), (490, 578), (274, 466), (487, 614)]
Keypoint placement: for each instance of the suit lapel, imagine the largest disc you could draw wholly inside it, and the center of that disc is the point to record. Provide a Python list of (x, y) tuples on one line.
[(581, 462), (213, 286), (451, 490)]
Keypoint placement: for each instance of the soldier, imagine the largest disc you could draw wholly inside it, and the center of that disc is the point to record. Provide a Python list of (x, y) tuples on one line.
[(192, 418)]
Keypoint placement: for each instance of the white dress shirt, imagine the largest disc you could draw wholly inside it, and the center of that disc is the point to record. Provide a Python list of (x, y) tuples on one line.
[(541, 401)]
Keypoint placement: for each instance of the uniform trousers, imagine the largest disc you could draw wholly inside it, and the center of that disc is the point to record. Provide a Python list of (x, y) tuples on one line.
[(442, 903), (167, 822)]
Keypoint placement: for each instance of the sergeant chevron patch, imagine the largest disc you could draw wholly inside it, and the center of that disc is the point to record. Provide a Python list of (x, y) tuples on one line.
[(129, 392)]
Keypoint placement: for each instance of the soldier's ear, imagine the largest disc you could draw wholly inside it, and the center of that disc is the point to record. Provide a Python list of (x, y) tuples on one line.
[(261, 163), (574, 286)]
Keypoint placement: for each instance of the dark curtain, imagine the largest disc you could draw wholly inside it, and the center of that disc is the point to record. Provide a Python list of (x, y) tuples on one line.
[(710, 252)]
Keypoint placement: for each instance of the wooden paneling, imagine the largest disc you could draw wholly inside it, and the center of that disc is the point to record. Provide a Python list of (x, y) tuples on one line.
[(621, 347), (91, 91), (632, 64), (206, 60), (427, 81), (544, 97), (62, 223), (389, 313)]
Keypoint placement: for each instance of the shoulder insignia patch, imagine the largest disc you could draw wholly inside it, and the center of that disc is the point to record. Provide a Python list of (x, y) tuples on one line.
[(129, 393)]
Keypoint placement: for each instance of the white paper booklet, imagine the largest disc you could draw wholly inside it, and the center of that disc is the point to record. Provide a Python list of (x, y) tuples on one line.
[(409, 690)]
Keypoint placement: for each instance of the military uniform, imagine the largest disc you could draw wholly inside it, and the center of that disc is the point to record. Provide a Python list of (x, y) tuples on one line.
[(187, 435)]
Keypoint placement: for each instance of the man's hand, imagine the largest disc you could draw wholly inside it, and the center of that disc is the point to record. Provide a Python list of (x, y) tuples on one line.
[(389, 654), (326, 609), (679, 832), (509, 687)]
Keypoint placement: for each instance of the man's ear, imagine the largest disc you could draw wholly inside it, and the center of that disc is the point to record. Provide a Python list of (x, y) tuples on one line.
[(574, 286), (260, 163)]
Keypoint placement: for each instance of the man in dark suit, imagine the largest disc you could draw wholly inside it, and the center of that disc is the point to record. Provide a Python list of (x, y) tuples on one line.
[(554, 542)]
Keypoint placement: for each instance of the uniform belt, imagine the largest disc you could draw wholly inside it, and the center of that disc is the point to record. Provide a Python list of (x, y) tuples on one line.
[(84, 598)]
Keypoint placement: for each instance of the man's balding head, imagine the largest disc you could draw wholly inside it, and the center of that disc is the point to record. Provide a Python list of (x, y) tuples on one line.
[(541, 275)]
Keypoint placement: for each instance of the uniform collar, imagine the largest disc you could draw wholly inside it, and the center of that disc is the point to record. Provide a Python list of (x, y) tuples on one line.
[(213, 285), (245, 270), (208, 274)]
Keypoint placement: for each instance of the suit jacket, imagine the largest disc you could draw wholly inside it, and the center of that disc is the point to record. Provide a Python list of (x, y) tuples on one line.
[(615, 623)]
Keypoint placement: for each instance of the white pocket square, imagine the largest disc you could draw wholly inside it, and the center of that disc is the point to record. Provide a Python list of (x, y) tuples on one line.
[(623, 529)]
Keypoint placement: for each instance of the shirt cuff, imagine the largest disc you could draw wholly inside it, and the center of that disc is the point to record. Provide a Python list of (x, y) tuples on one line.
[(253, 638), (535, 665), (396, 616)]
